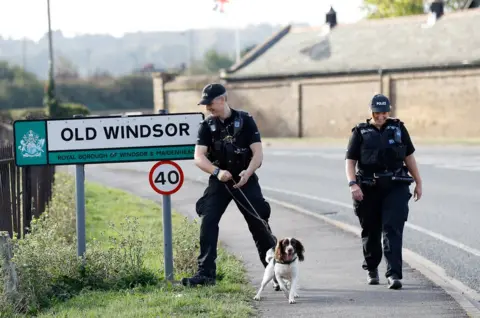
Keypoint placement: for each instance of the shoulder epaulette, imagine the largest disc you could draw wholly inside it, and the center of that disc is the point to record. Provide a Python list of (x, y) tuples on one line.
[(210, 121), (243, 113), (238, 121), (362, 125), (395, 120)]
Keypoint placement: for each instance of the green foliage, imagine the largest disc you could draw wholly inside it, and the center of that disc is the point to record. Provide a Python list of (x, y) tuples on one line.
[(19, 89), (15, 74), (215, 61), (123, 267), (16, 95), (454, 4), (48, 269), (50, 101), (67, 110), (378, 9)]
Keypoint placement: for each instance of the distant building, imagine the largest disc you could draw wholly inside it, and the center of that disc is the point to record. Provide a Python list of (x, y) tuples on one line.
[(318, 81)]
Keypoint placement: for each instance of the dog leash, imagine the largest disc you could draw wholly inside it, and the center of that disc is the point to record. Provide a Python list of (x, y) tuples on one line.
[(256, 215)]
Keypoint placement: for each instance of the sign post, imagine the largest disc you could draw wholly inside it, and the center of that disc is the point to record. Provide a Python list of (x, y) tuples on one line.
[(166, 178), (81, 141), (80, 205)]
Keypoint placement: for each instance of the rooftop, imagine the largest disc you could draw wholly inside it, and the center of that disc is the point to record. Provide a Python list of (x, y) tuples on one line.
[(419, 41)]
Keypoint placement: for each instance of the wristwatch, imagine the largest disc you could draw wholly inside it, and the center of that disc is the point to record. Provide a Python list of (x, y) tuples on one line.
[(352, 183), (216, 171)]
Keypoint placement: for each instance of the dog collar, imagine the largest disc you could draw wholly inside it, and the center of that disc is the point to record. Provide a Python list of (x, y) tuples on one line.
[(284, 262)]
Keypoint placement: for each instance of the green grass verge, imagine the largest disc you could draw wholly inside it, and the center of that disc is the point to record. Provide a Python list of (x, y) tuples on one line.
[(119, 221), (230, 298)]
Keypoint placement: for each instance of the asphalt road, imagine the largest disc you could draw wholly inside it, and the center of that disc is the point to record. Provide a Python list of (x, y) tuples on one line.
[(443, 226)]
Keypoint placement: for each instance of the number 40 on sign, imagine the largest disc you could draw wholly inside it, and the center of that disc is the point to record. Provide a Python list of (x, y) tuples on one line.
[(166, 177)]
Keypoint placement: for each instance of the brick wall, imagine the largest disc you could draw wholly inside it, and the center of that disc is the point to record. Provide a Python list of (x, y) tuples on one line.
[(441, 103)]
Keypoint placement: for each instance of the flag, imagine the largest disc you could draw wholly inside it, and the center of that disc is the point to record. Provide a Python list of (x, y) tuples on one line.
[(219, 5)]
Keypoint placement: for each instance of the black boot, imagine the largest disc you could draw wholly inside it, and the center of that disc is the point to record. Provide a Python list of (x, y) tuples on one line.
[(373, 278), (198, 280), (394, 282)]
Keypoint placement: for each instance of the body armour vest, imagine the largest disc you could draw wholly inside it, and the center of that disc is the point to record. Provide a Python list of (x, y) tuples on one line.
[(226, 152), (382, 150)]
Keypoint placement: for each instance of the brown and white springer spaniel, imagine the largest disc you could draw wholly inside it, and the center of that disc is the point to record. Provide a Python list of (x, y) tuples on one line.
[(283, 264)]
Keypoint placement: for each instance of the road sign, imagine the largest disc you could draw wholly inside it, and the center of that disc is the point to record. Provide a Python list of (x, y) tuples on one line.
[(109, 139), (166, 177)]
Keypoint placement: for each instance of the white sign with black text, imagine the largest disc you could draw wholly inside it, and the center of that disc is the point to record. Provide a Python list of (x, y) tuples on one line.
[(123, 132)]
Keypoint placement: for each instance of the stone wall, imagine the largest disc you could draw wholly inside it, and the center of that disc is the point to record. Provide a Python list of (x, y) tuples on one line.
[(432, 104)]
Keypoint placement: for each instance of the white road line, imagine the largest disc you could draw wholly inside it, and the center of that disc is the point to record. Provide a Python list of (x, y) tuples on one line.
[(420, 229), (455, 162), (410, 225), (466, 297)]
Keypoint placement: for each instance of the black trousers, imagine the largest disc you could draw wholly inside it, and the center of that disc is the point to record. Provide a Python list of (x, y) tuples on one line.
[(383, 212), (211, 206)]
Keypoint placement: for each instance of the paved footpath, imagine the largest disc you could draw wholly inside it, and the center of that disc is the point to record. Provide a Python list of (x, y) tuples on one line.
[(332, 282)]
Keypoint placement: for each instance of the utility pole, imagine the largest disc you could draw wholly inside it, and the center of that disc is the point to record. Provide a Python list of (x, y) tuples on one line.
[(49, 99), (50, 44)]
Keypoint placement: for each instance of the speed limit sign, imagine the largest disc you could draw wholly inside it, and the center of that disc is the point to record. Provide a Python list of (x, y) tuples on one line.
[(166, 177)]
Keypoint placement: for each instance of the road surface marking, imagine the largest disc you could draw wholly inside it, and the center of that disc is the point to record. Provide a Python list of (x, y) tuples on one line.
[(438, 236), (466, 297)]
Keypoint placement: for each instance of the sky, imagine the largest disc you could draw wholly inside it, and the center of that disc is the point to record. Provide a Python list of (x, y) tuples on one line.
[(28, 18)]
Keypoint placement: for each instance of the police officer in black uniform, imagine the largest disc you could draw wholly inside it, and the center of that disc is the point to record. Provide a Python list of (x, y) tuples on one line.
[(380, 188), (230, 150)]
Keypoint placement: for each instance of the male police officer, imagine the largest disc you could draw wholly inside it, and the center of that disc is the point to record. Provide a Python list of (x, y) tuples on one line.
[(229, 149), (380, 189)]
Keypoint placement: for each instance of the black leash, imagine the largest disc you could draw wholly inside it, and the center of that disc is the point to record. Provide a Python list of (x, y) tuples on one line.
[(256, 215)]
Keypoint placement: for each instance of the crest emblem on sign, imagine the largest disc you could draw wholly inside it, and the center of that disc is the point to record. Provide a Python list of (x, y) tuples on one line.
[(31, 145)]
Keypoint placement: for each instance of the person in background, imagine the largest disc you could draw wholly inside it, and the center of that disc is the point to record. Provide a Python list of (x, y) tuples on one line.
[(383, 152)]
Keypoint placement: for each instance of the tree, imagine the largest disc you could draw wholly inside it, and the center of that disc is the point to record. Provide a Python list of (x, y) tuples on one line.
[(49, 99), (378, 9), (214, 61)]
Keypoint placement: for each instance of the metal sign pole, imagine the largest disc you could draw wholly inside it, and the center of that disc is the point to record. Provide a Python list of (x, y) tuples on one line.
[(167, 230), (80, 205), (167, 237)]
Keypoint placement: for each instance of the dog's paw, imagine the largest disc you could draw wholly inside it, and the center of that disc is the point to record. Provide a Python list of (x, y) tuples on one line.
[(291, 301), (256, 297)]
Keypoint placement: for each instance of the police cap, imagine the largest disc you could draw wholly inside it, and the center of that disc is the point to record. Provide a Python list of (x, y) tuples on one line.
[(380, 104), (210, 92)]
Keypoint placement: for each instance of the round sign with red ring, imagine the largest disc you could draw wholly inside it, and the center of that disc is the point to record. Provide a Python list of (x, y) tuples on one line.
[(166, 177)]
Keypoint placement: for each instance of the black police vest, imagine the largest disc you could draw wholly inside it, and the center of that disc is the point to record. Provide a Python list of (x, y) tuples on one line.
[(381, 150), (225, 151)]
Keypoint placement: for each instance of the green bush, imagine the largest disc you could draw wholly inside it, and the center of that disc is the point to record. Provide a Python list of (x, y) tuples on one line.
[(67, 110), (48, 269)]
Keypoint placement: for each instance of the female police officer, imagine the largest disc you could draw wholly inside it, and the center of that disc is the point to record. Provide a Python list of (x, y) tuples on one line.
[(380, 188)]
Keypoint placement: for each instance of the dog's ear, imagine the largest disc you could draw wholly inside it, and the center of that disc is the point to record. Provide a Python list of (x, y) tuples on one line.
[(300, 250), (279, 250)]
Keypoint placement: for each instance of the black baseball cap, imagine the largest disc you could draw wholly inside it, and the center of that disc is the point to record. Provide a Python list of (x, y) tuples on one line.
[(380, 104), (210, 92)]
